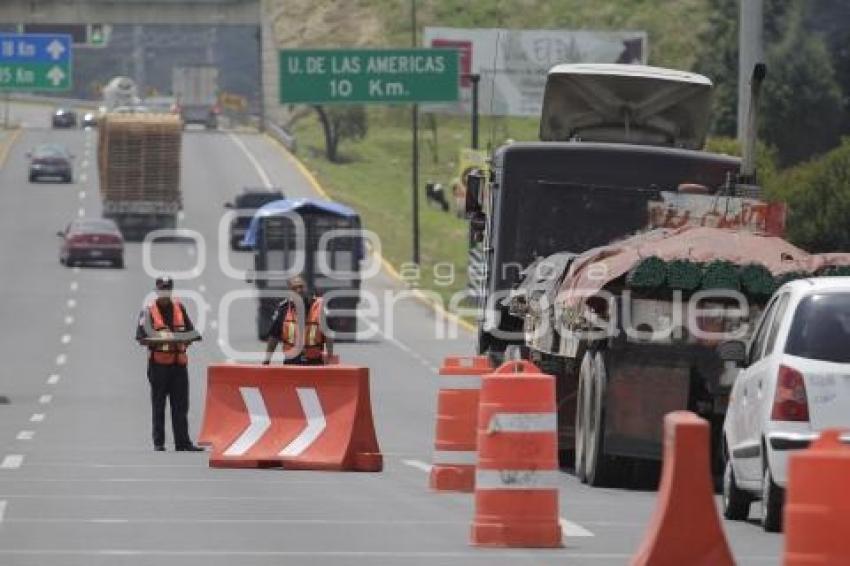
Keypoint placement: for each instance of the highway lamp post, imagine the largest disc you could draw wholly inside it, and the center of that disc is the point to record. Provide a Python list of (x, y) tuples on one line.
[(475, 79), (415, 167)]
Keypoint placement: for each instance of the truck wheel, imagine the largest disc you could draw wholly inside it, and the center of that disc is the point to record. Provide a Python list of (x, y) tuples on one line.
[(736, 502), (581, 410), (599, 468), (772, 501)]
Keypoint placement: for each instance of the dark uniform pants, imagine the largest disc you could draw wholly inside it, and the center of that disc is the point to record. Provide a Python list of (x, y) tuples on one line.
[(170, 382)]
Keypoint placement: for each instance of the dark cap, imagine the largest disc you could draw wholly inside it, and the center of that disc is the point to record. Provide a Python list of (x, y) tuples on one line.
[(164, 283)]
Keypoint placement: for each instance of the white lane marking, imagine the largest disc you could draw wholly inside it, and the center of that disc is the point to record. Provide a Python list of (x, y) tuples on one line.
[(181, 216), (84, 177), (69, 320), (316, 422), (71, 303), (12, 462), (213, 324), (267, 183), (37, 418), (85, 163), (418, 464), (570, 529), (202, 288), (53, 379), (66, 338), (75, 269), (81, 195), (81, 212), (3, 504), (260, 422), (61, 359), (45, 399), (406, 349), (74, 285), (26, 435)]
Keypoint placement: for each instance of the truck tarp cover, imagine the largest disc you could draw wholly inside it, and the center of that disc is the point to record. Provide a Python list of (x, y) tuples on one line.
[(293, 206), (596, 268)]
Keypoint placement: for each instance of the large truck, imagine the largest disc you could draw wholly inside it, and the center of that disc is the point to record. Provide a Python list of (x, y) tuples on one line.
[(319, 240), (195, 89), (139, 167), (120, 92), (620, 166)]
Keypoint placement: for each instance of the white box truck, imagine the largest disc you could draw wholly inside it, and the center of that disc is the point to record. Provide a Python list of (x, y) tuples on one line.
[(196, 93)]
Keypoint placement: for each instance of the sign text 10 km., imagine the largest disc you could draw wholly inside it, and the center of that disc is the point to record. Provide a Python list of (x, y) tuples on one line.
[(356, 76)]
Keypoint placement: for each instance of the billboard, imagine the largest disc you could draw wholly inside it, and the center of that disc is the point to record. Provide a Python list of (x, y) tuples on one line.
[(513, 63)]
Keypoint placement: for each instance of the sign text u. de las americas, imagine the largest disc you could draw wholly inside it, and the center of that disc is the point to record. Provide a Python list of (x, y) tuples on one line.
[(356, 76), (35, 62)]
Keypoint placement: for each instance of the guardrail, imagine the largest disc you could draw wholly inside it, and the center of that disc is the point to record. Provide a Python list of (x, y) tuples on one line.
[(281, 135), (54, 101)]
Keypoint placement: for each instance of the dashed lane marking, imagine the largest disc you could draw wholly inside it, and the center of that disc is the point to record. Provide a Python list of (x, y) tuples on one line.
[(81, 195), (69, 320), (418, 464), (12, 462), (71, 303), (53, 379), (66, 338), (75, 269), (3, 504), (45, 399), (61, 359), (81, 212), (26, 435), (74, 285), (37, 418), (84, 177)]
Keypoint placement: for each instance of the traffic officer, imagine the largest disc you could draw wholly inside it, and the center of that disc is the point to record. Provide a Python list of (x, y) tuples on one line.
[(166, 318), (304, 342)]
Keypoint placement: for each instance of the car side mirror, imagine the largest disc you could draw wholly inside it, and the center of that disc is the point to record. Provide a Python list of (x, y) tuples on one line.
[(733, 351), (474, 184), (228, 205)]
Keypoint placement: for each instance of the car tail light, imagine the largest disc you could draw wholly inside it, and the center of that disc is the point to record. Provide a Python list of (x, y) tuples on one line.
[(77, 239), (216, 109), (790, 402)]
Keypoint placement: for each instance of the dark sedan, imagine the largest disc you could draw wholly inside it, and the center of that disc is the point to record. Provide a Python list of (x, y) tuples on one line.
[(91, 240), (89, 120), (64, 118), (246, 204), (50, 161)]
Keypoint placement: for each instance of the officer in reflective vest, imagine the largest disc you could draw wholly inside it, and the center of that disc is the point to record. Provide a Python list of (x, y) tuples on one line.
[(168, 373), (304, 342)]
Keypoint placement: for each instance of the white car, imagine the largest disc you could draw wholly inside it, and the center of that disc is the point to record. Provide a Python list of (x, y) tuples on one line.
[(794, 382)]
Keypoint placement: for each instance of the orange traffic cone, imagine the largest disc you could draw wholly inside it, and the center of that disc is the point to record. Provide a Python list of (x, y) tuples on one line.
[(457, 416), (516, 493), (685, 528), (817, 509)]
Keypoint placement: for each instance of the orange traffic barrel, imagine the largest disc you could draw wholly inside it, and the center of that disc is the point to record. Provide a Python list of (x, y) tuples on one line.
[(685, 528), (516, 493), (817, 509), (457, 416)]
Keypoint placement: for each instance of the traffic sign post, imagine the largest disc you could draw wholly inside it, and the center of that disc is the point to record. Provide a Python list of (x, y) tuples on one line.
[(359, 76), (35, 62)]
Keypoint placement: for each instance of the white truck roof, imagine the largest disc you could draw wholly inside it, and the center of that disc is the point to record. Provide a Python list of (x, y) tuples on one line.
[(626, 103)]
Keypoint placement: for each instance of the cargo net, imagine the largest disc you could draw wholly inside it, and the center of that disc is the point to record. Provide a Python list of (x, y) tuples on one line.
[(139, 157)]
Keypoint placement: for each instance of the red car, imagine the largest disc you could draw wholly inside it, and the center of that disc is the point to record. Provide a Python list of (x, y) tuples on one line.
[(91, 240)]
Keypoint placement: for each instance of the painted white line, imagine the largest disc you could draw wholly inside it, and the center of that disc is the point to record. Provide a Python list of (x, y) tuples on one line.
[(213, 324), (264, 177), (69, 320), (66, 338), (74, 285), (85, 163), (81, 212), (71, 303), (202, 288), (84, 177), (37, 418), (53, 379), (3, 504), (61, 359), (26, 435), (45, 399), (418, 464), (76, 269), (571, 530), (81, 195), (12, 462)]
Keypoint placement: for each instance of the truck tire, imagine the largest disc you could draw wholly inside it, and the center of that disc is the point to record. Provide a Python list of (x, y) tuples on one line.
[(736, 502), (598, 468)]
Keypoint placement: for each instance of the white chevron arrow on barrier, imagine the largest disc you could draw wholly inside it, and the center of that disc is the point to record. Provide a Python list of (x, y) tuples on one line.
[(260, 422)]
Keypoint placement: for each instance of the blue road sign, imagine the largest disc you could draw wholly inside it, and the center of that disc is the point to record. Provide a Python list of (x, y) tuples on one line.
[(35, 62)]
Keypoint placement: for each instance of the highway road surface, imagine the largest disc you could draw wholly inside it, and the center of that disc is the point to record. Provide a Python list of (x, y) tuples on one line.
[(79, 481)]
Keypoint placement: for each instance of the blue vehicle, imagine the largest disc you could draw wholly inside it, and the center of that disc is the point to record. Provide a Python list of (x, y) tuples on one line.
[(320, 240)]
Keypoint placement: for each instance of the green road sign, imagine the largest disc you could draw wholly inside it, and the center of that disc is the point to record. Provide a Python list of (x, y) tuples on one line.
[(355, 76), (35, 62)]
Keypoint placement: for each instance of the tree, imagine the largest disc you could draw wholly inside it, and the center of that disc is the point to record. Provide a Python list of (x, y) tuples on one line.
[(340, 123)]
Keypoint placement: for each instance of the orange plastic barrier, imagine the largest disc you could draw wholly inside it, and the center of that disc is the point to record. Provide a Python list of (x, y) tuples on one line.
[(516, 493), (685, 528), (457, 416), (296, 417), (817, 507)]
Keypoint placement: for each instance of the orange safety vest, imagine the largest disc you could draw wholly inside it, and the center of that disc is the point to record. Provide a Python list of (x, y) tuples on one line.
[(168, 354), (314, 339)]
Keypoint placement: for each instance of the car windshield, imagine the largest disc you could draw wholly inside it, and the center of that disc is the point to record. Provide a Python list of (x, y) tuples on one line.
[(94, 226), (821, 328), (256, 200), (49, 151)]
